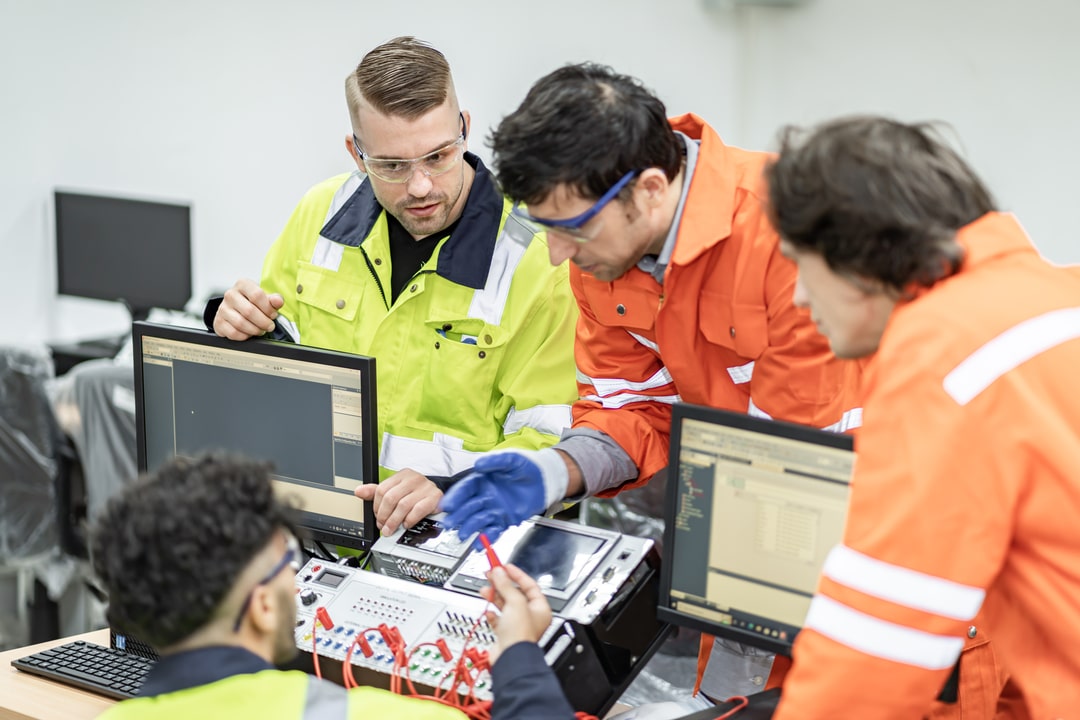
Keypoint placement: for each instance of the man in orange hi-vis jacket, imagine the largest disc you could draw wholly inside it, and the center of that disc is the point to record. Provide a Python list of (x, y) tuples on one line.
[(966, 493), (683, 295)]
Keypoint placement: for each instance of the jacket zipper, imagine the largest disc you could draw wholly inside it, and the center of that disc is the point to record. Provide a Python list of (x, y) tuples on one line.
[(375, 277)]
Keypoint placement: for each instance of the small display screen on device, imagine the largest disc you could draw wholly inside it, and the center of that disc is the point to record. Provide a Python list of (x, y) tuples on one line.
[(330, 579), (555, 558)]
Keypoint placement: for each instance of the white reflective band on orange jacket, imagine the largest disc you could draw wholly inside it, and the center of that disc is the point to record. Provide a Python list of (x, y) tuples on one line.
[(963, 519)]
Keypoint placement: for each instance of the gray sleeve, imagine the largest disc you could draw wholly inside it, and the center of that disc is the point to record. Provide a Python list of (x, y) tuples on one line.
[(604, 464)]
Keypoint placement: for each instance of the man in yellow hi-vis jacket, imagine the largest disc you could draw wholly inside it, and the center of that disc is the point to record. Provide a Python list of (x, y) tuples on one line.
[(415, 259)]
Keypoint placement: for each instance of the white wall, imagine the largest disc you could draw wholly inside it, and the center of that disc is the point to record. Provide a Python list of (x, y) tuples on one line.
[(237, 105), (1000, 72)]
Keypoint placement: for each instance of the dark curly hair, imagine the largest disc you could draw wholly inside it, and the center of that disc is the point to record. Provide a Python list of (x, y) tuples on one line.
[(584, 125), (875, 197), (169, 548)]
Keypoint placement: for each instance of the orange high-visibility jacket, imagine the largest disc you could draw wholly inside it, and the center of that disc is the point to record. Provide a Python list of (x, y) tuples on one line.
[(721, 330), (965, 498)]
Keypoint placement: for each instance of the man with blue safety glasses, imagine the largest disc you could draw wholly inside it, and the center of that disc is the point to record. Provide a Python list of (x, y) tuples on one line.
[(683, 295)]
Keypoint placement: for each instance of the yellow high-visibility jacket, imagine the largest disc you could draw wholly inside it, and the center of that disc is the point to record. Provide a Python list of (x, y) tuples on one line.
[(476, 354)]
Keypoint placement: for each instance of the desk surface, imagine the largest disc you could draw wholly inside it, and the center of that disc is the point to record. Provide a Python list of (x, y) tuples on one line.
[(24, 696), (28, 697)]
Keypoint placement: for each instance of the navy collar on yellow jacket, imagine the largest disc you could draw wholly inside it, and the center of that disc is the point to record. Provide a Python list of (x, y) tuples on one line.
[(465, 257), (203, 666)]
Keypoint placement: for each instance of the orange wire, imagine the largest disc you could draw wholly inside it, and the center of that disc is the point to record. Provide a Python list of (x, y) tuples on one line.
[(741, 701), (472, 706)]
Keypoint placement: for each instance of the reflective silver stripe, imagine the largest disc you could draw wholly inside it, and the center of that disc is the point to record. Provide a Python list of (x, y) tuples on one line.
[(489, 302), (327, 253), (754, 411), (343, 193), (290, 327), (873, 636), (517, 231), (325, 700), (441, 456), (550, 419), (850, 420), (1009, 350), (902, 585), (742, 373), (610, 386), (617, 401), (646, 342)]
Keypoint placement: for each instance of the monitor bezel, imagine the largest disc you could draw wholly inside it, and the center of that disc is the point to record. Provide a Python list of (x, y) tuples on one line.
[(138, 307), (289, 351), (791, 431)]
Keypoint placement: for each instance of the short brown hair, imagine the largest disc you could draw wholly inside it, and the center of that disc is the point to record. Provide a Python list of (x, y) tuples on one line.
[(403, 77), (875, 197)]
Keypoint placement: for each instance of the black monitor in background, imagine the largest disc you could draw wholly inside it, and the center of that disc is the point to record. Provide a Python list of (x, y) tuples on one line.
[(133, 251), (753, 507), (310, 412)]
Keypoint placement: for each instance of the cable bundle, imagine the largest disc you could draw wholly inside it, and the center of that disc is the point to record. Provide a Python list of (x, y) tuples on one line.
[(471, 662)]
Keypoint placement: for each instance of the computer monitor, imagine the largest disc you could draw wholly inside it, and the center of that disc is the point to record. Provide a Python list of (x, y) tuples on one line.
[(133, 251), (311, 412), (753, 507)]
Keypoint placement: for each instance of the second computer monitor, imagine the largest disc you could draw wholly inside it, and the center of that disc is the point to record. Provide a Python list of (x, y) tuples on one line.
[(310, 412), (115, 248), (752, 509)]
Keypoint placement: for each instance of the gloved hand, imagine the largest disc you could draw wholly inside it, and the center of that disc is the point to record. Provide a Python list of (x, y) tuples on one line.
[(503, 489)]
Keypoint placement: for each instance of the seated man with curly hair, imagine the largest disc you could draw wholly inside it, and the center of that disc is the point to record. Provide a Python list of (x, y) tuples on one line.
[(199, 560)]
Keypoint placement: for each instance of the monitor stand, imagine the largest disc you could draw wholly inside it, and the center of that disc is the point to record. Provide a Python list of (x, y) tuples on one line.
[(68, 355), (138, 314)]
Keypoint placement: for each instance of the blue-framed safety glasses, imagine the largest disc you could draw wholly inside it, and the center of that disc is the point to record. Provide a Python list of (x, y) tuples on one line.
[(575, 227), (291, 559)]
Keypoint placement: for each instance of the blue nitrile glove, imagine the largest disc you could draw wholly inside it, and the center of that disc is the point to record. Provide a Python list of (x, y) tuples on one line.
[(503, 489)]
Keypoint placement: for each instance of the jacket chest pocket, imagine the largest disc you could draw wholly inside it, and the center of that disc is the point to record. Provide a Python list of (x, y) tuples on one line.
[(460, 390), (741, 328), (327, 301), (631, 307)]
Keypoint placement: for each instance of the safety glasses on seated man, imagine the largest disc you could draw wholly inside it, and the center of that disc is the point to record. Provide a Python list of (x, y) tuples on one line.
[(400, 170), (291, 559), (574, 228)]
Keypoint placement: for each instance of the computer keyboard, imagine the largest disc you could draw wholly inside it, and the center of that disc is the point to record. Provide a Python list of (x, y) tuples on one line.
[(101, 670)]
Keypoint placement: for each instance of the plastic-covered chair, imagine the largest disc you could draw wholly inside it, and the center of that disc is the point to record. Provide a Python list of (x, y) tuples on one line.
[(31, 448), (32, 466)]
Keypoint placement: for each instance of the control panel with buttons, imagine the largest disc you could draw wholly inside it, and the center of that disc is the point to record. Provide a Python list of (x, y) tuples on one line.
[(424, 589)]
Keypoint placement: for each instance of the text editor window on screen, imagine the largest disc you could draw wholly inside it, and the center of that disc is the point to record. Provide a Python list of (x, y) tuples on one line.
[(304, 417), (756, 516)]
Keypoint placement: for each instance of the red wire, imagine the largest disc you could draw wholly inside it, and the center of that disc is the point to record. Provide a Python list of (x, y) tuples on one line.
[(408, 667), (346, 668), (742, 702), (467, 702)]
